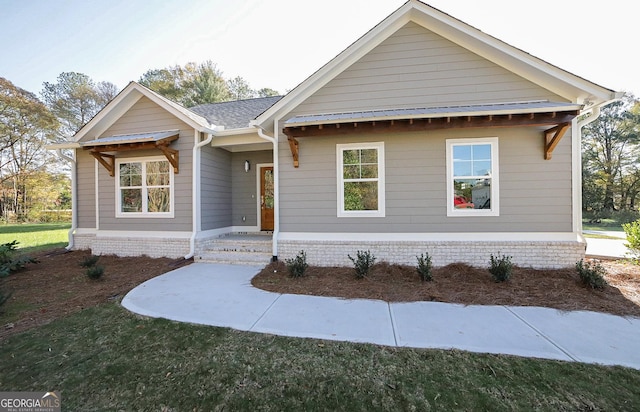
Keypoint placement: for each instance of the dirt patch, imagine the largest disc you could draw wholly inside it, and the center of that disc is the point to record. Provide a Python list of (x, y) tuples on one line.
[(460, 283), (58, 286)]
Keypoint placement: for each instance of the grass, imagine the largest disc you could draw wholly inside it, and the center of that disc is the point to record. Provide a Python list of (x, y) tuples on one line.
[(607, 225), (35, 237), (105, 358)]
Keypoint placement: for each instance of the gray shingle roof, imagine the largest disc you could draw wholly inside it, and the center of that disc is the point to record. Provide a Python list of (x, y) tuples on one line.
[(235, 114)]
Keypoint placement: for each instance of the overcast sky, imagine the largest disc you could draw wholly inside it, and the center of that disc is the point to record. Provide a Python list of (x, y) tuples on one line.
[(279, 43)]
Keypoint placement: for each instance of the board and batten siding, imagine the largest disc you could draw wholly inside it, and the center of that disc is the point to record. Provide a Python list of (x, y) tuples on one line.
[(146, 116), (86, 192), (215, 188), (245, 186), (535, 194), (418, 68)]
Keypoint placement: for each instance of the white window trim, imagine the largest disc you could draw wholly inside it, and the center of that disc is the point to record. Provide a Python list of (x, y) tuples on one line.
[(495, 181), (381, 180), (144, 215)]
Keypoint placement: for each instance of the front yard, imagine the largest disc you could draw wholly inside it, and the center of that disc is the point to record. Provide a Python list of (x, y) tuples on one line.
[(62, 331)]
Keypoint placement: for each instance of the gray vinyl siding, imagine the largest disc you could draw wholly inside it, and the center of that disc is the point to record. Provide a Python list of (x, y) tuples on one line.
[(418, 68), (245, 186), (535, 194), (86, 192), (215, 188), (146, 116)]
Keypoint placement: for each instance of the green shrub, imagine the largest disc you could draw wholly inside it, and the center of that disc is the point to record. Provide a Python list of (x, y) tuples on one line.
[(95, 272), (500, 267), (633, 238), (9, 263), (4, 297), (363, 263), (625, 216), (298, 265), (89, 261), (424, 267), (591, 274)]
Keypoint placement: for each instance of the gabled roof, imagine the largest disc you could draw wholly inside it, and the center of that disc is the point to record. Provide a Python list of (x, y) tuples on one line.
[(235, 114), (567, 85), (126, 99)]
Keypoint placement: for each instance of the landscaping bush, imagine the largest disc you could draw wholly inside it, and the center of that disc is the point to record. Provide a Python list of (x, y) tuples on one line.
[(500, 268), (95, 272), (424, 267), (625, 216), (591, 274), (633, 238), (363, 263), (89, 261), (9, 263), (298, 265)]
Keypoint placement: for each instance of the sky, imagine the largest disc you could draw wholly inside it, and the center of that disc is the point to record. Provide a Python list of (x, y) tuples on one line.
[(279, 43)]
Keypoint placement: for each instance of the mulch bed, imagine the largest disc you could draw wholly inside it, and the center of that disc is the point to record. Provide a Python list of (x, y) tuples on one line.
[(58, 286), (464, 284)]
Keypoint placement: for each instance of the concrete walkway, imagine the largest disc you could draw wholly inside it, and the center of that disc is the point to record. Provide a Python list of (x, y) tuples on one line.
[(606, 248), (222, 295)]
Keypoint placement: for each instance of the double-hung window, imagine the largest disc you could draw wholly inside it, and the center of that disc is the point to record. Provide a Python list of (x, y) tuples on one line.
[(144, 188), (472, 177), (361, 179)]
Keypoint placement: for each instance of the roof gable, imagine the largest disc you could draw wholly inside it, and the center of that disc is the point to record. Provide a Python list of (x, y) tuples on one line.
[(557, 81), (125, 100)]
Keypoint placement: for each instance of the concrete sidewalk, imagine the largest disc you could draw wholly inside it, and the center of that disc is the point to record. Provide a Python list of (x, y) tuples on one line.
[(606, 248), (222, 295)]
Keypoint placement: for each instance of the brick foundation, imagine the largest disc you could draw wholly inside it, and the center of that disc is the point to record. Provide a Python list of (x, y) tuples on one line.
[(537, 254)]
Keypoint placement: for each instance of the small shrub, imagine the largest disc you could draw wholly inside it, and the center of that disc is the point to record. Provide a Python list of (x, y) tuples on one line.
[(591, 274), (4, 297), (8, 263), (89, 261), (424, 267), (633, 238), (95, 272), (363, 263), (500, 268), (298, 265)]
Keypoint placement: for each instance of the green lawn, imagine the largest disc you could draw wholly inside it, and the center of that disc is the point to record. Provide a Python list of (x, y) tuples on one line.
[(105, 359), (34, 237), (610, 225)]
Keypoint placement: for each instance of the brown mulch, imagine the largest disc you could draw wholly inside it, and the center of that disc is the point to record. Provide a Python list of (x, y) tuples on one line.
[(58, 286), (461, 283)]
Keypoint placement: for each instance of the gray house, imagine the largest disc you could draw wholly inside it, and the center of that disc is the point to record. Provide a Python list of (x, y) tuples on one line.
[(425, 135)]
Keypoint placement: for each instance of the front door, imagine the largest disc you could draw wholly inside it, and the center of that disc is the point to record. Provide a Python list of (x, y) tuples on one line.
[(267, 200)]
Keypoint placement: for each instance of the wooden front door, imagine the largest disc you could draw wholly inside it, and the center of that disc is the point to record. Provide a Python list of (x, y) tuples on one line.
[(267, 199)]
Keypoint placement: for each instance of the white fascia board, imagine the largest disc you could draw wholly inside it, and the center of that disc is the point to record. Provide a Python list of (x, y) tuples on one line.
[(66, 145), (436, 237)]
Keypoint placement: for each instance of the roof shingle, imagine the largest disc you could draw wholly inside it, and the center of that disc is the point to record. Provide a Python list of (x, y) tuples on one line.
[(235, 114)]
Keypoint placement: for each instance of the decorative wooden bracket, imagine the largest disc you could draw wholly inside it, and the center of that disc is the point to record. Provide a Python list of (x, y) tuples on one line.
[(552, 138), (294, 146), (173, 156), (106, 160)]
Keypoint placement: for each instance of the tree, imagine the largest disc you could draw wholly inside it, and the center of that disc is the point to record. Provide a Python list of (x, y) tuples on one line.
[(609, 144), (74, 99), (26, 125), (205, 84), (240, 89), (167, 82), (267, 92)]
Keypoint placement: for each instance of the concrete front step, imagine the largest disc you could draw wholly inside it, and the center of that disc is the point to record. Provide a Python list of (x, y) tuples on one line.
[(235, 258), (223, 245)]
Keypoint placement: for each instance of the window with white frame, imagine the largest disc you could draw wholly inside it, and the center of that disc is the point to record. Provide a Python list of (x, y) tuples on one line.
[(144, 188), (472, 177), (361, 179)]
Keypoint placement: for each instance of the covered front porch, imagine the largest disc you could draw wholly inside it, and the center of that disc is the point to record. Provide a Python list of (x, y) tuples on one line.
[(243, 248)]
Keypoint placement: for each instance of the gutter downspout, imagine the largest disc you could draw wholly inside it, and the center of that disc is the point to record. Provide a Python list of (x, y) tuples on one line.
[(74, 195), (276, 186), (195, 219)]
